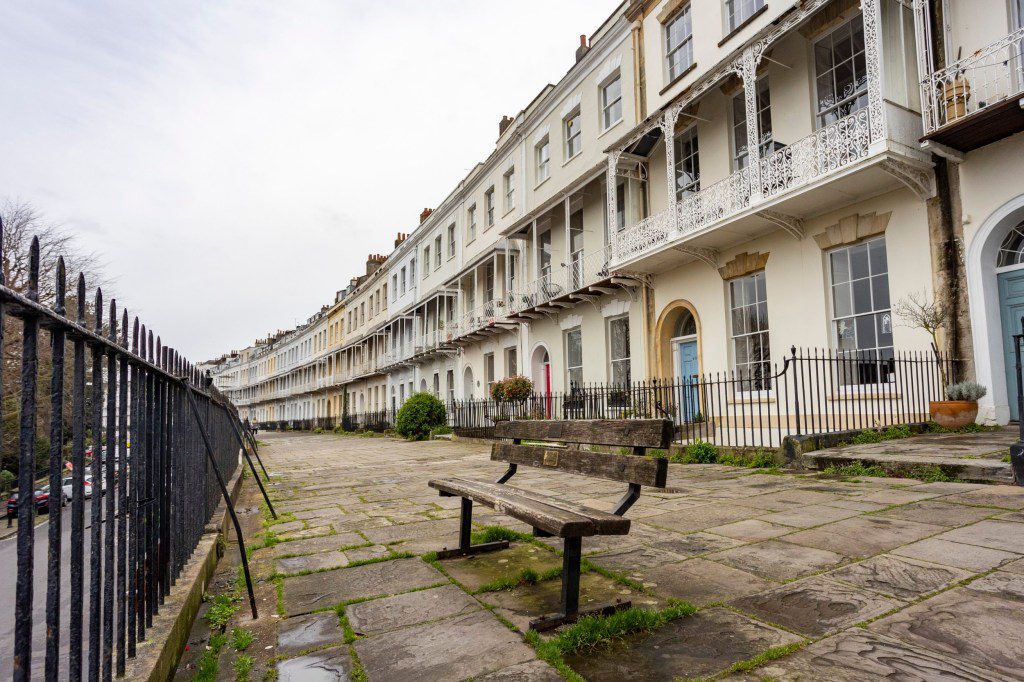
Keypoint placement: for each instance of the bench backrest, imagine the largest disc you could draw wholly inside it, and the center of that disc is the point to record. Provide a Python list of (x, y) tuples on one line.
[(637, 434)]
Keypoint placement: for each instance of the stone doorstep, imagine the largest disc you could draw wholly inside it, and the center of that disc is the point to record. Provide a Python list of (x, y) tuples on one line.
[(968, 470)]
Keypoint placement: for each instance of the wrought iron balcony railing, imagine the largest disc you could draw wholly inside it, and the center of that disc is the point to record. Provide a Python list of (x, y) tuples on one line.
[(991, 75), (832, 148)]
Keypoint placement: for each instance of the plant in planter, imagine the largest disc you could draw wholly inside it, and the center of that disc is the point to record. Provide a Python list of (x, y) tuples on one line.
[(508, 392), (956, 92), (960, 407)]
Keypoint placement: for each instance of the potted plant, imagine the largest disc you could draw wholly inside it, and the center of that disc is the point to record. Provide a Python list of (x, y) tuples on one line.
[(955, 95), (960, 407)]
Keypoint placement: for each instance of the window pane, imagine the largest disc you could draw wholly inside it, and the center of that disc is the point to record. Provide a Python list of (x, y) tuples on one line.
[(876, 250), (841, 300), (862, 296), (840, 266), (880, 291), (865, 331), (859, 261)]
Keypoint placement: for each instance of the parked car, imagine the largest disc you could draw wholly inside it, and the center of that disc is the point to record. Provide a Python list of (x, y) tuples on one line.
[(103, 486), (68, 482), (43, 499)]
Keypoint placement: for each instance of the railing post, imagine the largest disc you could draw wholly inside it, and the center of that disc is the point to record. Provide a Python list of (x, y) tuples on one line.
[(1017, 449), (796, 391)]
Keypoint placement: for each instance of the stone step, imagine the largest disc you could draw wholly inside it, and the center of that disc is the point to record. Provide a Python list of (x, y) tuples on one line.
[(969, 469)]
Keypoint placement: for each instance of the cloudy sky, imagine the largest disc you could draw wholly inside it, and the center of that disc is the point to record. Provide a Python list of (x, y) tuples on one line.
[(233, 161)]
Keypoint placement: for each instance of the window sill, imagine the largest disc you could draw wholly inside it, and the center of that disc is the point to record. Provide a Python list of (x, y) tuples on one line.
[(572, 158), (507, 212), (537, 186), (672, 83), (610, 128), (743, 25)]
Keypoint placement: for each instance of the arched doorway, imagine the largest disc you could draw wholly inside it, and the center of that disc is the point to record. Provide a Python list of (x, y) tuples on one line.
[(677, 357), (423, 385), (995, 285), (467, 383), (540, 370)]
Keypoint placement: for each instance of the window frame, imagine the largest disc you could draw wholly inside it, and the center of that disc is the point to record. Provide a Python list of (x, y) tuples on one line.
[(742, 373), (543, 164), (686, 44), (511, 360), (689, 135), (508, 180), (764, 144), (817, 111), (612, 361), (471, 223), (734, 20), (834, 319), (569, 138), (489, 208), (569, 369), (439, 252), (426, 261), (452, 245), (606, 106)]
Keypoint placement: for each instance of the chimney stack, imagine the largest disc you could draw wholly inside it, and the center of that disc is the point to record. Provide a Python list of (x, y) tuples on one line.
[(583, 49), (425, 214), (400, 238), (506, 121)]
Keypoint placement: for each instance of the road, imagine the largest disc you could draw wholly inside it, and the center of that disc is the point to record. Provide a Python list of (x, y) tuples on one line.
[(8, 574)]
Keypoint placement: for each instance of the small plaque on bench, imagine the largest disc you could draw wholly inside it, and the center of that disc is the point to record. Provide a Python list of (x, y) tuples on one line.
[(551, 458)]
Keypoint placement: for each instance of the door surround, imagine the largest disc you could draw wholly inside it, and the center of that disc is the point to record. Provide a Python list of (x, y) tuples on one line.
[(665, 334)]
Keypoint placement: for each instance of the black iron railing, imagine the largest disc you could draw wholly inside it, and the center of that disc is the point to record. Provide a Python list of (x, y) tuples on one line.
[(811, 391), (156, 450)]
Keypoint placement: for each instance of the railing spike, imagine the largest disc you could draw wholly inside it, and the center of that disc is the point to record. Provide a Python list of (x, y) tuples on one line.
[(61, 281), (80, 295), (33, 270), (98, 310)]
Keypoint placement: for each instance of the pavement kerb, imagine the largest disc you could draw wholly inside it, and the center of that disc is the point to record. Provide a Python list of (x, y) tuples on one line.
[(157, 658)]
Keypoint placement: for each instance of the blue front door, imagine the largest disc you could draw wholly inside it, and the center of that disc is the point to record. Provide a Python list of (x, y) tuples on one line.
[(686, 357), (1011, 309)]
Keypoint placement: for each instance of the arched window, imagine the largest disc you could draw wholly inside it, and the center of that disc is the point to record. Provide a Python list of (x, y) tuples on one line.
[(686, 325), (1011, 251)]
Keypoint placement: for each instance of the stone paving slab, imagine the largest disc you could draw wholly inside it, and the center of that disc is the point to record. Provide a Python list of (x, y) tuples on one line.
[(412, 608), (454, 649), (329, 665), (311, 631), (316, 591), (980, 629), (859, 656), (793, 557), (778, 560), (899, 577), (704, 644), (815, 606)]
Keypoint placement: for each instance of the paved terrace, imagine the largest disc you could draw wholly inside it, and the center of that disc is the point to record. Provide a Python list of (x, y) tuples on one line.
[(855, 579)]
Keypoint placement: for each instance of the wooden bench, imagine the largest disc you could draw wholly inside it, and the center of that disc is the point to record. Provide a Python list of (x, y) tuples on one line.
[(554, 517)]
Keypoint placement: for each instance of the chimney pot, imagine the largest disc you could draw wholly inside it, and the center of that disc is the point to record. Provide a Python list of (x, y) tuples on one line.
[(583, 49), (425, 214), (506, 121)]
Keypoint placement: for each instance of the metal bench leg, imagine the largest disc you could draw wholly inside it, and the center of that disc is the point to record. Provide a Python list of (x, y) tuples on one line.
[(569, 611), (571, 554), (465, 534)]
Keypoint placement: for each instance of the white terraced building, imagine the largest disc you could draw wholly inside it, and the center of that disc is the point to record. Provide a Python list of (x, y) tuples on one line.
[(712, 182)]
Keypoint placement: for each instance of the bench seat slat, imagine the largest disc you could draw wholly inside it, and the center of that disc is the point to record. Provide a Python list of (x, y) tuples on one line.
[(554, 516), (644, 433), (626, 468)]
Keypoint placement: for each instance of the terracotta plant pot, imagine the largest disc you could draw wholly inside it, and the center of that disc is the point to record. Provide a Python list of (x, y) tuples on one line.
[(953, 414), (955, 96)]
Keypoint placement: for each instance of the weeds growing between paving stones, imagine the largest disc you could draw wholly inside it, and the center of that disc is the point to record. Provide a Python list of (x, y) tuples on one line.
[(243, 666), (206, 668), (241, 639), (221, 609), (592, 631)]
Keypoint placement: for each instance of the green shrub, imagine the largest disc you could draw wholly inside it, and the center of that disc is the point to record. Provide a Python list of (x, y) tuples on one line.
[(420, 413), (866, 436), (318, 430), (966, 390), (440, 430), (6, 481), (897, 432), (241, 639), (762, 459), (700, 452)]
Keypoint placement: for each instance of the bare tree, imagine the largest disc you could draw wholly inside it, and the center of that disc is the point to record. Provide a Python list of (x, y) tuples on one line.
[(21, 223), (918, 310)]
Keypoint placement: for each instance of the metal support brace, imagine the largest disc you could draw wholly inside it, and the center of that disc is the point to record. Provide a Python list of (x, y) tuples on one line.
[(224, 492), (252, 467)]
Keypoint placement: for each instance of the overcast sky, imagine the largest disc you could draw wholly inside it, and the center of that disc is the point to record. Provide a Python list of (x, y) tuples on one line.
[(234, 161)]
